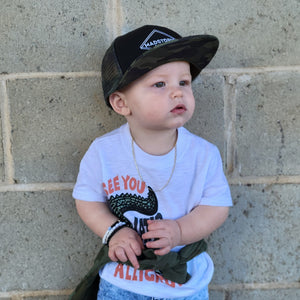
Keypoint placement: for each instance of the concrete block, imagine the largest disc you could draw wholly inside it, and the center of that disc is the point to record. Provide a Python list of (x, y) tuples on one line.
[(1, 152), (208, 118), (44, 241), (291, 294), (66, 297), (2, 95), (258, 243), (267, 113), (53, 123), (51, 35), (70, 36), (252, 33), (216, 295)]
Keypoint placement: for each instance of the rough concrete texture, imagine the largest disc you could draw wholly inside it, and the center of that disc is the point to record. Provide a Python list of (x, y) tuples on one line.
[(1, 151), (259, 242), (71, 112), (208, 119), (66, 297), (216, 295), (43, 241), (268, 110), (50, 35), (291, 294), (68, 35), (242, 26)]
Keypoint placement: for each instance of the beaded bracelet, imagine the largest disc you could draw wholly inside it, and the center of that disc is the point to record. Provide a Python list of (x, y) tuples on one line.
[(112, 230)]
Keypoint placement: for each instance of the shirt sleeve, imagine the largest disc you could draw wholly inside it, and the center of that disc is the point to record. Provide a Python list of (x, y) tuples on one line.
[(216, 189), (88, 186)]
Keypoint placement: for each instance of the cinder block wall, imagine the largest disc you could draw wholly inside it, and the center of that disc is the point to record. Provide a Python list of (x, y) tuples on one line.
[(52, 108)]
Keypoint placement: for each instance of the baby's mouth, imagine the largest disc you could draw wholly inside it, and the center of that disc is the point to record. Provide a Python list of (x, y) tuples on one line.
[(180, 108)]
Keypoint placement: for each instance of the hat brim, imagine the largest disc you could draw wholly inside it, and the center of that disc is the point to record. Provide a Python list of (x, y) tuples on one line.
[(197, 50)]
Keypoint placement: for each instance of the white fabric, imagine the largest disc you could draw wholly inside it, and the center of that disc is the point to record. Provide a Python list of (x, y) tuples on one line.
[(108, 170)]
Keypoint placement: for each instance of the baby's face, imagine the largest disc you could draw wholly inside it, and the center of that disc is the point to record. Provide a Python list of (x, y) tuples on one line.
[(161, 99)]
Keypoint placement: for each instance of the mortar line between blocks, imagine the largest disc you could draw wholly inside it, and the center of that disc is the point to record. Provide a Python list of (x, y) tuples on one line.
[(42, 293), (267, 180), (49, 75), (215, 287), (114, 19), (81, 74), (118, 17), (6, 135), (68, 186), (37, 187), (229, 94), (255, 286), (251, 70)]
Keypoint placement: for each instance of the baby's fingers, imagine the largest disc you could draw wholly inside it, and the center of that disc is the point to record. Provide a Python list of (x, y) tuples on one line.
[(118, 253), (162, 251), (123, 255), (132, 258)]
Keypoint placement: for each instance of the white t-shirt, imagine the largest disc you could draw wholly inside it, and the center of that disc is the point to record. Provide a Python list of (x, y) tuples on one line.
[(108, 174)]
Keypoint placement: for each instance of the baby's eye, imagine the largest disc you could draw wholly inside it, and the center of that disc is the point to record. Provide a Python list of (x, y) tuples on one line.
[(159, 84), (184, 82)]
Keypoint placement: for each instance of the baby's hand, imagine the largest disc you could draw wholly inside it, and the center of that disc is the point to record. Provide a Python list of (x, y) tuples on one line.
[(125, 245), (167, 235)]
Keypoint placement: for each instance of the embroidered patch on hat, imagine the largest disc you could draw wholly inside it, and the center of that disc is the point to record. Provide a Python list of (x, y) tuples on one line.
[(156, 37)]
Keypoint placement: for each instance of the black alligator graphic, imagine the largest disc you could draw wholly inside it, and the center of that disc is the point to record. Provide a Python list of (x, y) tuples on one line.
[(119, 204)]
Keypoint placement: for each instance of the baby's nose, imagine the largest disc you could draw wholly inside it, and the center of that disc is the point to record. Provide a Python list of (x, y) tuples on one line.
[(176, 92)]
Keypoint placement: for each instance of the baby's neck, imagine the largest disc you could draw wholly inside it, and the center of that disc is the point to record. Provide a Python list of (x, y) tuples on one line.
[(156, 143)]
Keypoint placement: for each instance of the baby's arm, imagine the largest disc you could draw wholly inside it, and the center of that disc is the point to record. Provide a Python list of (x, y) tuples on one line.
[(124, 245), (196, 225)]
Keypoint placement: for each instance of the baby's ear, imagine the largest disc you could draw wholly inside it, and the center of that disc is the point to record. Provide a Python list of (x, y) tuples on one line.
[(117, 101)]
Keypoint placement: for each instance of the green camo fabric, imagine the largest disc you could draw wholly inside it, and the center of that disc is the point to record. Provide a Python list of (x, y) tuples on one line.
[(171, 266)]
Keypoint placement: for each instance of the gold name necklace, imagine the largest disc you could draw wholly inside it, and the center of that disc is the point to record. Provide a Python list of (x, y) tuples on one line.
[(138, 170)]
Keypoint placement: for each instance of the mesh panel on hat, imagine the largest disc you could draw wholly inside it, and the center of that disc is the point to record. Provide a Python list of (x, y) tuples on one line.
[(111, 71)]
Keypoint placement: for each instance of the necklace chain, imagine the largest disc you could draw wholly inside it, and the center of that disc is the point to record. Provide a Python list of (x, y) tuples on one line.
[(138, 170)]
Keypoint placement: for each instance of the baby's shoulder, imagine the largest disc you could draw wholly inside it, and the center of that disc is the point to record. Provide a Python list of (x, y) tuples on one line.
[(108, 138), (195, 141)]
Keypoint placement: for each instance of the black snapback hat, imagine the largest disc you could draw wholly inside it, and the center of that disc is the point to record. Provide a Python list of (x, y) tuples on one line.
[(139, 51)]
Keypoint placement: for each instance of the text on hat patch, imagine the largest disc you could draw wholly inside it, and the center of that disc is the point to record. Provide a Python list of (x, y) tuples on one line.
[(155, 38)]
